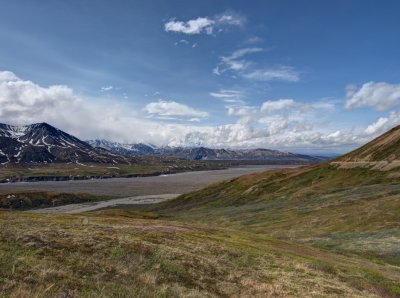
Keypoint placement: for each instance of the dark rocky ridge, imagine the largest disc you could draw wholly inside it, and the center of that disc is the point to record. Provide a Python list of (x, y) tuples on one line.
[(42, 143)]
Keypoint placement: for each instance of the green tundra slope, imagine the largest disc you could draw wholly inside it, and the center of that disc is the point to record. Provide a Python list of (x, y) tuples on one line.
[(344, 206), (131, 254)]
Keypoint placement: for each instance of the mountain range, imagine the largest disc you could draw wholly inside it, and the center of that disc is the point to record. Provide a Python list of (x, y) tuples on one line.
[(42, 143), (203, 153)]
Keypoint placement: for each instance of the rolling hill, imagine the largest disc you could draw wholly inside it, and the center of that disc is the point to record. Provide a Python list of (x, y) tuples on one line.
[(348, 210), (304, 182)]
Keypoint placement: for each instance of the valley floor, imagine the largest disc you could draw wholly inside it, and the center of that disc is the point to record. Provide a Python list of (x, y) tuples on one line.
[(138, 186)]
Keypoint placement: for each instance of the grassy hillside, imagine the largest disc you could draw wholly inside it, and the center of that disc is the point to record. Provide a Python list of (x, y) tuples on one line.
[(348, 208), (126, 254), (386, 147), (353, 211)]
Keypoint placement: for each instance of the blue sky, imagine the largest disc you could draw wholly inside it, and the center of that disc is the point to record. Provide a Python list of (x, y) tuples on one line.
[(306, 76)]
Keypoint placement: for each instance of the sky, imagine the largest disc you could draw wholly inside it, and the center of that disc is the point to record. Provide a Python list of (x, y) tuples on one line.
[(303, 76)]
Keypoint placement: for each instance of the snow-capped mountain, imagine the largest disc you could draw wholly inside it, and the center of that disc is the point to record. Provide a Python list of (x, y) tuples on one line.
[(202, 153), (124, 149), (43, 143)]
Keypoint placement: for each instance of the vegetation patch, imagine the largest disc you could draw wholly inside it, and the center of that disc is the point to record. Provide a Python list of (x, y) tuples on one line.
[(42, 199)]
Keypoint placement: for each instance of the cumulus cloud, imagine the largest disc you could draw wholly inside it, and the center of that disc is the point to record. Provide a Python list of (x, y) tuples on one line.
[(205, 25), (285, 104), (24, 102), (7, 76), (275, 117), (376, 126), (279, 124), (19, 99), (383, 124), (379, 96), (173, 108), (275, 105)]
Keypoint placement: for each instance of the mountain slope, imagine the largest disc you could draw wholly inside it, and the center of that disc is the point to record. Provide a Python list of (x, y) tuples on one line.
[(384, 148), (353, 211), (43, 143)]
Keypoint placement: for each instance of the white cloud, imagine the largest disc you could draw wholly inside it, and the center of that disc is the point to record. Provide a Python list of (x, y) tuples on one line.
[(232, 97), (283, 73), (287, 104), (242, 52), (231, 62), (230, 18), (195, 26), (236, 63), (383, 124), (379, 96), (182, 41), (279, 124), (270, 106), (273, 125), (376, 126), (247, 112), (225, 94), (24, 102), (106, 88), (205, 25), (19, 97), (173, 108), (7, 76)]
